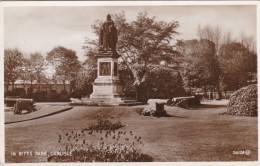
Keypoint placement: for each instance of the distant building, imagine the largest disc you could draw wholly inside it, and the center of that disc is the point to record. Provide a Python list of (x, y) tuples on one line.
[(48, 87)]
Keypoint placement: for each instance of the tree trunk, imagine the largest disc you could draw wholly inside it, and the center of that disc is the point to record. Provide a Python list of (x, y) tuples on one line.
[(13, 86), (39, 85), (211, 95), (6, 87), (64, 85), (219, 92), (31, 87), (205, 92), (70, 87), (137, 93)]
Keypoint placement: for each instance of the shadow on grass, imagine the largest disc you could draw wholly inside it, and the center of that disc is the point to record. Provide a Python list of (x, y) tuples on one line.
[(209, 106), (139, 112), (63, 110), (168, 115)]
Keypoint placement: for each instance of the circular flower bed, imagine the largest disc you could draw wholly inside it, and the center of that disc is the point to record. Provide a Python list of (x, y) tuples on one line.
[(243, 102)]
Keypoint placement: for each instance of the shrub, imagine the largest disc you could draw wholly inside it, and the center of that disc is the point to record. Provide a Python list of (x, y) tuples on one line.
[(99, 146), (243, 102), (39, 96), (106, 122), (64, 96), (53, 96), (19, 92)]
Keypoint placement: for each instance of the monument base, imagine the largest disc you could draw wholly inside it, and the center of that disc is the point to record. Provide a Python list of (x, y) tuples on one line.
[(103, 102), (107, 89)]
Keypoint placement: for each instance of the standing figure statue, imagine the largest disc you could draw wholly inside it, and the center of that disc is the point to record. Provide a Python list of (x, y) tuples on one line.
[(108, 35)]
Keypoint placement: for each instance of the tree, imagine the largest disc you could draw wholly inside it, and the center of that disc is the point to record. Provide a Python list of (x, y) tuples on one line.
[(248, 41), (227, 37), (198, 63), (83, 82), (13, 62), (142, 44), (65, 62), (34, 67), (237, 62), (213, 34), (162, 83)]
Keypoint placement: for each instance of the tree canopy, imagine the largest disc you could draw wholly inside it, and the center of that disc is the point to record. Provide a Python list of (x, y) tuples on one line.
[(143, 44), (198, 63), (34, 67), (13, 62), (236, 62), (65, 62)]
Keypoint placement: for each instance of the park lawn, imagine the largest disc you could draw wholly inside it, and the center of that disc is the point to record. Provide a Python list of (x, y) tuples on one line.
[(42, 111), (198, 134)]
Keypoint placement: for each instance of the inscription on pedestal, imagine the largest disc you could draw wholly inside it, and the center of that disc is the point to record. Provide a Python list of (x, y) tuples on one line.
[(104, 68)]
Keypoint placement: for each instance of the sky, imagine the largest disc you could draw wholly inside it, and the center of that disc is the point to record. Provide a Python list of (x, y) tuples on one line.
[(40, 29)]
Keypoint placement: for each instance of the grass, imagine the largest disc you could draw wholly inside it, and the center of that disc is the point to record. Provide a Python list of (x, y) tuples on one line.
[(198, 134)]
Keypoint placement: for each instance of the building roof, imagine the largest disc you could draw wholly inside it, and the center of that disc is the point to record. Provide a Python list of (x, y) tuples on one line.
[(28, 82)]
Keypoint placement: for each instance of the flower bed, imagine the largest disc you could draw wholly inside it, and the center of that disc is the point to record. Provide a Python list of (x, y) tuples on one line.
[(100, 146)]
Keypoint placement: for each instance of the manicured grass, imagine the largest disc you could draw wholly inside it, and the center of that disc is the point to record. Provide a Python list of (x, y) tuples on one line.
[(198, 134)]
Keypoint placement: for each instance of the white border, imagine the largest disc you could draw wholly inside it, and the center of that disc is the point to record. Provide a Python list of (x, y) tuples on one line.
[(110, 3)]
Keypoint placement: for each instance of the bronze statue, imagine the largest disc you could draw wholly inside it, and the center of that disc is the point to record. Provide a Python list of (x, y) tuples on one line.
[(108, 35)]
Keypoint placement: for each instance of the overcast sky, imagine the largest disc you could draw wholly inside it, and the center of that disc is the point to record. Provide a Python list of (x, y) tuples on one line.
[(40, 29)]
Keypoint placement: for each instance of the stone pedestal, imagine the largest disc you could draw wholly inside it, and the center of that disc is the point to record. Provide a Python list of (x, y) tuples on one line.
[(106, 87)]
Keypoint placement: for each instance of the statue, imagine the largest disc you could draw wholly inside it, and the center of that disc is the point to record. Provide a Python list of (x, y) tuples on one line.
[(108, 35)]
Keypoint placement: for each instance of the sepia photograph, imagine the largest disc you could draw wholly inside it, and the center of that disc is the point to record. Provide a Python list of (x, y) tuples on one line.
[(130, 82)]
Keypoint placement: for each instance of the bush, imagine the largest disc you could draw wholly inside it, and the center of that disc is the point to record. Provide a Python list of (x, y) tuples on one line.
[(99, 146), (19, 92), (106, 122), (39, 96), (243, 102), (64, 96), (53, 96)]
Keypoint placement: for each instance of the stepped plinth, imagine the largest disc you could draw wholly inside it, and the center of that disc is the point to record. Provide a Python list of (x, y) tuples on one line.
[(107, 87)]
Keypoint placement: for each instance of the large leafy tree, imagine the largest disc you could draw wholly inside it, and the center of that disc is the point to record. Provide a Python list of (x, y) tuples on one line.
[(13, 64), (198, 63), (237, 64), (143, 44), (65, 62), (213, 34), (34, 68), (83, 82)]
